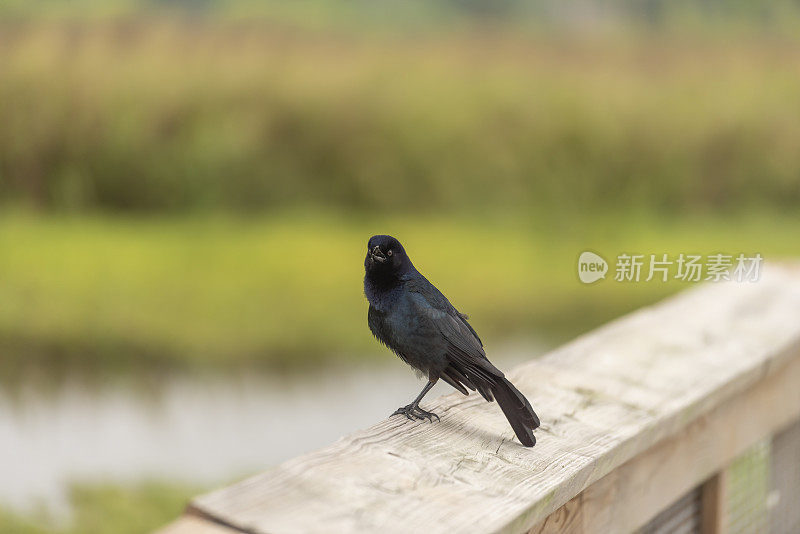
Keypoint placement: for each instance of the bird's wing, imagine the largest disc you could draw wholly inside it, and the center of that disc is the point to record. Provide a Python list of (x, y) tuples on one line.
[(434, 299), (467, 362), (464, 347)]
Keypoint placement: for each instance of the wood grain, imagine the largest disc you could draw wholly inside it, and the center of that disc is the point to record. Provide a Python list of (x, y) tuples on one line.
[(604, 399), (714, 499), (195, 525), (630, 495)]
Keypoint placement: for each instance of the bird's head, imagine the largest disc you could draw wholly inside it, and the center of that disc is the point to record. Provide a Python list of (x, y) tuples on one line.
[(385, 256)]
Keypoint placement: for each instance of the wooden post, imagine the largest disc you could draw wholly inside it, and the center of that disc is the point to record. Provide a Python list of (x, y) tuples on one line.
[(713, 500), (566, 520)]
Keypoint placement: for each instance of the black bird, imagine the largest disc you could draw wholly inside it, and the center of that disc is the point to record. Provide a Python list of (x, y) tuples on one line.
[(416, 321)]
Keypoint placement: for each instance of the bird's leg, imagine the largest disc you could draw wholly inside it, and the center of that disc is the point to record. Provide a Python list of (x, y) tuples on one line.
[(413, 411)]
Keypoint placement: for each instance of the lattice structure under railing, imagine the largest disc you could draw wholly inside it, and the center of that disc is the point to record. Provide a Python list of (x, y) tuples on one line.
[(783, 499), (747, 490), (761, 493), (682, 517)]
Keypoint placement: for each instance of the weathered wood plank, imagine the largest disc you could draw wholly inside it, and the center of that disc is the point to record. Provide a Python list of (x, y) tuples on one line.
[(604, 399), (195, 525), (566, 520), (636, 491)]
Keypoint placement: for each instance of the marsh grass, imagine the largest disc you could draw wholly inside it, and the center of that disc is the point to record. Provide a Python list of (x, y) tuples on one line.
[(286, 290), (161, 114), (106, 508)]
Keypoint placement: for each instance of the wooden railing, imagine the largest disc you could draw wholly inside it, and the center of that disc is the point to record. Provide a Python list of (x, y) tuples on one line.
[(641, 421)]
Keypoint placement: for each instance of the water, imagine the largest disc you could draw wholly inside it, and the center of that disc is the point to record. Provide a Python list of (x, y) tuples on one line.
[(199, 429)]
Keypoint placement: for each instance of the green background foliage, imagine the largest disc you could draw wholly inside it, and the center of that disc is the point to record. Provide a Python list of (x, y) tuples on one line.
[(169, 116)]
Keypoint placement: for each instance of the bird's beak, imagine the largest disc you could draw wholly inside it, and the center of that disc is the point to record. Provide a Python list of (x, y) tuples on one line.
[(377, 255)]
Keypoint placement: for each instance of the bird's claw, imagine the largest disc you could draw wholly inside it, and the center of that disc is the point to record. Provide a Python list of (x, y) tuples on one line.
[(415, 412)]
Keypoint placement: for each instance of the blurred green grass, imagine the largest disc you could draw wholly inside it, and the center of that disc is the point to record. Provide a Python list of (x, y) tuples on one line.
[(132, 138), (106, 508), (286, 290), (159, 114)]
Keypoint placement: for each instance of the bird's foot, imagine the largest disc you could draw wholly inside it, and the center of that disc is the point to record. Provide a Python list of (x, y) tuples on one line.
[(412, 412)]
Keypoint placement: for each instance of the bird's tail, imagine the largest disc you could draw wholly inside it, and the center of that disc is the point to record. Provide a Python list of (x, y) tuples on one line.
[(493, 385), (517, 410)]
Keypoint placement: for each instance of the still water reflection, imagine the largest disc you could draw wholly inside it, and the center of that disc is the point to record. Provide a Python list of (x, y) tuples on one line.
[(202, 429)]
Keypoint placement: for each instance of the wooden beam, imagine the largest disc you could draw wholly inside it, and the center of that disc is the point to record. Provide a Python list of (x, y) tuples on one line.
[(629, 496), (713, 497), (195, 525), (642, 388), (566, 520)]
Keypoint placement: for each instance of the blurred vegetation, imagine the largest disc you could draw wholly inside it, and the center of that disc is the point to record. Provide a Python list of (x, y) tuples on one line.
[(106, 508), (286, 290), (181, 182), (150, 114), (416, 15)]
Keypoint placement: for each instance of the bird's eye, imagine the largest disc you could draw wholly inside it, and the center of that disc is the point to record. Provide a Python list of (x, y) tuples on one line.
[(389, 252)]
